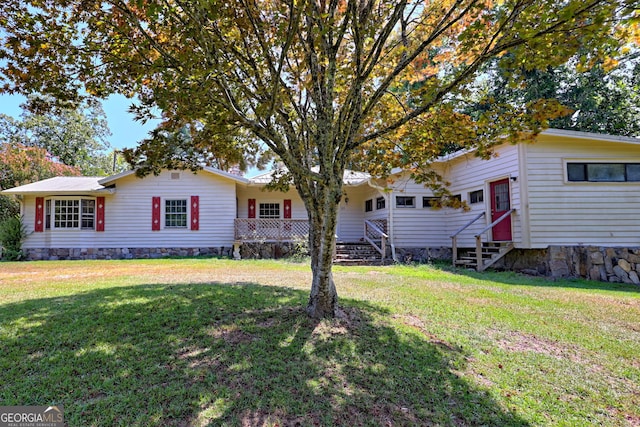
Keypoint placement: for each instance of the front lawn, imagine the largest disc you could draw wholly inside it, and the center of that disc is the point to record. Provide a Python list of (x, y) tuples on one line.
[(197, 342)]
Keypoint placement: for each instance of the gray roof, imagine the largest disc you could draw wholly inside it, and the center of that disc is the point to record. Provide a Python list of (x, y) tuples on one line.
[(349, 178), (61, 185)]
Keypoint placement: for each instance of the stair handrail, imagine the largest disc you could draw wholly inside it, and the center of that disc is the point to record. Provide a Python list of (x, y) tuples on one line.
[(468, 224), (494, 223), (479, 263), (383, 237), (454, 237)]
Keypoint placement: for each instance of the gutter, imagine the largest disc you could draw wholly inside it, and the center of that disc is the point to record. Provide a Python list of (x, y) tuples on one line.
[(384, 191)]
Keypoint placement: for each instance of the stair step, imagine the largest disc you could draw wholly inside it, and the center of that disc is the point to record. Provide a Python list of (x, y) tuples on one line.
[(357, 253)]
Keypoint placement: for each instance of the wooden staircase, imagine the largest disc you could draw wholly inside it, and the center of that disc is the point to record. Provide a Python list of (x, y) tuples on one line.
[(360, 253), (491, 253)]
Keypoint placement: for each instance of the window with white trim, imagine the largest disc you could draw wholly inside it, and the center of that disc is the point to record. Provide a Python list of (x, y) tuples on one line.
[(269, 211), (405, 202), (175, 213), (603, 172), (430, 202), (476, 196), (368, 205), (70, 213)]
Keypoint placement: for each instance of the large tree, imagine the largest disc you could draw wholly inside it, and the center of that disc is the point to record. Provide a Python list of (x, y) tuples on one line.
[(320, 83)]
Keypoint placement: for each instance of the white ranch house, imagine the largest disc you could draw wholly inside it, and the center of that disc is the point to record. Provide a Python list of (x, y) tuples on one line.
[(567, 204)]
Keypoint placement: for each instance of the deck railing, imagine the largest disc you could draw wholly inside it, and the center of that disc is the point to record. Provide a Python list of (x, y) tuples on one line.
[(271, 230), (374, 232)]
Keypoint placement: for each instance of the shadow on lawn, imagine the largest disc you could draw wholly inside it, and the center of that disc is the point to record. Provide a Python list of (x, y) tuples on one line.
[(229, 354)]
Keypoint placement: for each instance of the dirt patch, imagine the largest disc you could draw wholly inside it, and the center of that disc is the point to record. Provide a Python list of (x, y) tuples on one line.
[(418, 324), (254, 418), (231, 334), (522, 342)]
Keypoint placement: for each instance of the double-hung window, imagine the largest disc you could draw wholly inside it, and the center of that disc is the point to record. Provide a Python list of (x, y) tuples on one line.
[(175, 213)]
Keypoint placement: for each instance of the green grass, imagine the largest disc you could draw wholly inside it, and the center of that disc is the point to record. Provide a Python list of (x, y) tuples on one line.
[(216, 342)]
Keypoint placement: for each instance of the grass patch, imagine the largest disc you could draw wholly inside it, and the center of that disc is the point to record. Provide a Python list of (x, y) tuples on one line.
[(196, 342)]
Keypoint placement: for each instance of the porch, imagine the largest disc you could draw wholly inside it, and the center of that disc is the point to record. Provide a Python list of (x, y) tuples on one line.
[(252, 230)]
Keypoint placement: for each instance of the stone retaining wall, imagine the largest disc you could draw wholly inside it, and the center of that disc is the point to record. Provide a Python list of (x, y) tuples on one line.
[(616, 265), (43, 254)]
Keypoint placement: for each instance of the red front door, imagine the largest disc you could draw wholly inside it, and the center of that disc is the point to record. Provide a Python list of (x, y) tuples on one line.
[(500, 204)]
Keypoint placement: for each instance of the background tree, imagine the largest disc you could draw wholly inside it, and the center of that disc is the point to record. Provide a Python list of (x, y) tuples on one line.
[(596, 100), (320, 83), (76, 136), (21, 164)]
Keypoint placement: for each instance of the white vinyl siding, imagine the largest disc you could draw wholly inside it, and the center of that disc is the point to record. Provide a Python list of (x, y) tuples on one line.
[(470, 173), (427, 227), (580, 213), (416, 227), (128, 215)]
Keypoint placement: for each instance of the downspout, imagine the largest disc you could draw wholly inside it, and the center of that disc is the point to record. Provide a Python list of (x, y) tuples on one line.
[(384, 191)]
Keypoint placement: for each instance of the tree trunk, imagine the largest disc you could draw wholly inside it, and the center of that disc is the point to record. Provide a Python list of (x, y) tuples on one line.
[(323, 301)]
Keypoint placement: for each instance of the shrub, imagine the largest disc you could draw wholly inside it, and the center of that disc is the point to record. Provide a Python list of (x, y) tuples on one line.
[(12, 233)]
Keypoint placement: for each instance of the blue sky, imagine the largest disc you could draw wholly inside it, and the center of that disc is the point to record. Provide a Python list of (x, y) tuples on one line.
[(125, 131)]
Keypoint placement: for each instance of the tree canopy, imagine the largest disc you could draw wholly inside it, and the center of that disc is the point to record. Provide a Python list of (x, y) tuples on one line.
[(75, 135), (21, 164), (321, 84), (597, 100)]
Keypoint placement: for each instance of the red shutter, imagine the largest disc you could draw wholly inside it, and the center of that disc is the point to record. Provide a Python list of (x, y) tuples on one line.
[(39, 224), (287, 214), (195, 212), (155, 214), (99, 213), (287, 209), (252, 208)]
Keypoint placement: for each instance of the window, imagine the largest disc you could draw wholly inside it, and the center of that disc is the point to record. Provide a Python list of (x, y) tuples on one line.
[(70, 213), (405, 202), (603, 172), (88, 209), (269, 210), (430, 202), (380, 204), (476, 196), (175, 213), (368, 205)]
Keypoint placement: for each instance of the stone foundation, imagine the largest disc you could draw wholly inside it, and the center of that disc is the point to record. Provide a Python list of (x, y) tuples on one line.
[(421, 255), (615, 265), (45, 254), (271, 250)]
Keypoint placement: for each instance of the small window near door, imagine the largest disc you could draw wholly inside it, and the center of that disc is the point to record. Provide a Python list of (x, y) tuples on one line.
[(380, 203), (368, 205), (405, 202), (476, 196), (269, 211)]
